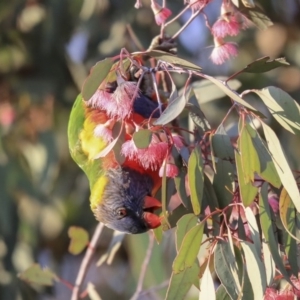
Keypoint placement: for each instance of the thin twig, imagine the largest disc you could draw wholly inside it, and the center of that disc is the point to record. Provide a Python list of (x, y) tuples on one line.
[(189, 21), (155, 288), (145, 264), (86, 260)]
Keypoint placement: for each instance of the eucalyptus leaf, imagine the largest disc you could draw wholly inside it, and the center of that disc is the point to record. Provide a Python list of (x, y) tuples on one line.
[(229, 92), (174, 108), (247, 190), (196, 179), (142, 138), (207, 287), (189, 249), (268, 262), (224, 265), (36, 275), (267, 170), (184, 224), (79, 239), (265, 64), (265, 217), (282, 107), (96, 77), (283, 169), (172, 59), (181, 283), (255, 270)]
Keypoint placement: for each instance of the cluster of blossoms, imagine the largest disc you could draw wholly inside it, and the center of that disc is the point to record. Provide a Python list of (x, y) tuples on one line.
[(230, 23), (118, 103)]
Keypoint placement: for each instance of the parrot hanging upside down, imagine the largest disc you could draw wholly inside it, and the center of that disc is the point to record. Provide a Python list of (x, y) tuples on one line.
[(121, 190)]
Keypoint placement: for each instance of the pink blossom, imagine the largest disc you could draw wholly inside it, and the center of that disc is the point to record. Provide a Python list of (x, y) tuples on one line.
[(177, 141), (105, 130), (171, 170), (270, 294), (138, 4), (122, 100), (100, 99), (273, 202), (226, 26), (7, 114), (223, 51), (149, 158), (161, 14)]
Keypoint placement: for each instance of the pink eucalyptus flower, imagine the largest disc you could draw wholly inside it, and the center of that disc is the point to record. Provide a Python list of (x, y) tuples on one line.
[(177, 141), (138, 4), (161, 14), (122, 100), (149, 158), (171, 169), (226, 25), (104, 131), (100, 99), (223, 51), (273, 202)]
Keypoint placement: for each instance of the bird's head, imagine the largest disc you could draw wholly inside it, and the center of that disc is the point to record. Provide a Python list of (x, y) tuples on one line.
[(127, 204)]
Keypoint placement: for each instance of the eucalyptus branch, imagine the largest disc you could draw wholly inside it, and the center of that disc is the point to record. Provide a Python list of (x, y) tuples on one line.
[(86, 260)]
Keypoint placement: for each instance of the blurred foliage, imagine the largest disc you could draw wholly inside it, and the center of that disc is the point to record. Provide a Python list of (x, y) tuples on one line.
[(46, 51)]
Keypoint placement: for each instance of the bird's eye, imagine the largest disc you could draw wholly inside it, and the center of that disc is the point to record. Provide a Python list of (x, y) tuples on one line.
[(121, 213)]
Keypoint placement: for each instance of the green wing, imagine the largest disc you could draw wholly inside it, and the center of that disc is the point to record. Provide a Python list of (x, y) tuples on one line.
[(93, 169)]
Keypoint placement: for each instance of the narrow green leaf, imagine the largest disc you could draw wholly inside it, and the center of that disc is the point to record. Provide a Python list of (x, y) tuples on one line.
[(249, 156), (185, 223), (36, 275), (229, 92), (282, 166), (97, 75), (253, 229), (209, 196), (267, 229), (255, 270), (172, 59), (142, 138), (79, 239), (174, 108), (287, 213), (269, 262), (288, 218), (225, 264), (196, 179), (257, 16), (205, 90), (267, 169), (282, 107), (221, 293), (247, 291), (221, 144), (223, 182), (247, 190), (265, 64), (189, 249), (181, 283), (198, 118), (207, 287), (180, 187)]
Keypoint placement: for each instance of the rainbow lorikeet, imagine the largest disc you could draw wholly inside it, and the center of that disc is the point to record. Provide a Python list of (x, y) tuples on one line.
[(124, 180)]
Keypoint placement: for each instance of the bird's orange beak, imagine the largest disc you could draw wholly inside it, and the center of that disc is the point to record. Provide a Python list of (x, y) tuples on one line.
[(150, 205)]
